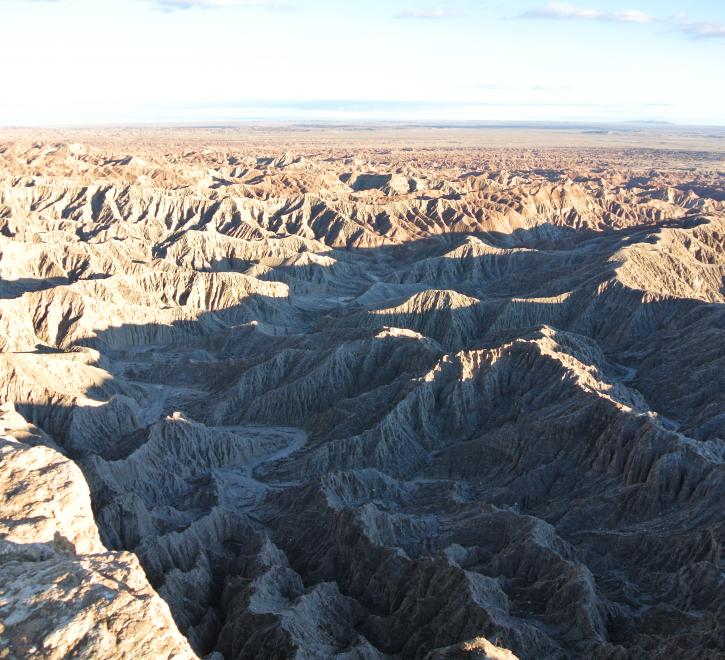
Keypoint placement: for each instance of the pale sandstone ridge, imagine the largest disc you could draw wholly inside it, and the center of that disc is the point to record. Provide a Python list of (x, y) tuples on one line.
[(62, 593), (361, 403)]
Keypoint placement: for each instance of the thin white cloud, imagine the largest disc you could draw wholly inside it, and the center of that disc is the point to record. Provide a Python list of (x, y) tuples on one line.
[(630, 16), (679, 22), (510, 87), (700, 29), (426, 14), (174, 5), (566, 10)]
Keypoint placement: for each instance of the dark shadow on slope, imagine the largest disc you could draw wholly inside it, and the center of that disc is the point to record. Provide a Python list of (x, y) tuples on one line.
[(16, 288), (716, 193), (201, 360)]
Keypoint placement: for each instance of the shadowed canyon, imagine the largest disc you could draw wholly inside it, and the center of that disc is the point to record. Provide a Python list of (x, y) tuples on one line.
[(361, 401)]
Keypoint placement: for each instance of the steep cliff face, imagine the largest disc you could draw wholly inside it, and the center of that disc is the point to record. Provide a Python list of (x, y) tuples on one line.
[(342, 408)]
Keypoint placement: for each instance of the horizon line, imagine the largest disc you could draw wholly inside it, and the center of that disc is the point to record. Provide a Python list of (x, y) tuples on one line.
[(352, 122)]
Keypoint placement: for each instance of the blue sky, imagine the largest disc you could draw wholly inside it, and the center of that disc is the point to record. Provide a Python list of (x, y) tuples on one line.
[(122, 61)]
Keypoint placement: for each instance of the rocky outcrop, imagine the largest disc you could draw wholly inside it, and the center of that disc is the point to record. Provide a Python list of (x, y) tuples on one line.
[(62, 593), (360, 406)]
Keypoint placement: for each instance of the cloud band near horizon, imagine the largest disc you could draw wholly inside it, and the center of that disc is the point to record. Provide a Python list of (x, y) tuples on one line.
[(679, 22)]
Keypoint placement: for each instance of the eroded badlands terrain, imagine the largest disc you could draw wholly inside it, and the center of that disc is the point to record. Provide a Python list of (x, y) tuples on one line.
[(361, 403)]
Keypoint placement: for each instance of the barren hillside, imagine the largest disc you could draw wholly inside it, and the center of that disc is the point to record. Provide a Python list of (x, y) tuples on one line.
[(361, 402)]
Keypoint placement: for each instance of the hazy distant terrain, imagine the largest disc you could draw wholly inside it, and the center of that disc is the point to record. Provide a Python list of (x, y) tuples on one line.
[(639, 136), (326, 391)]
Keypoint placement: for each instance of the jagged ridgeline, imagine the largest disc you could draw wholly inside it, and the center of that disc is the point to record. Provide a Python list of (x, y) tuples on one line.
[(361, 404)]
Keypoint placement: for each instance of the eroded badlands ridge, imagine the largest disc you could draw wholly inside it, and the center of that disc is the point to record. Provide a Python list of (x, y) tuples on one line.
[(428, 404)]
